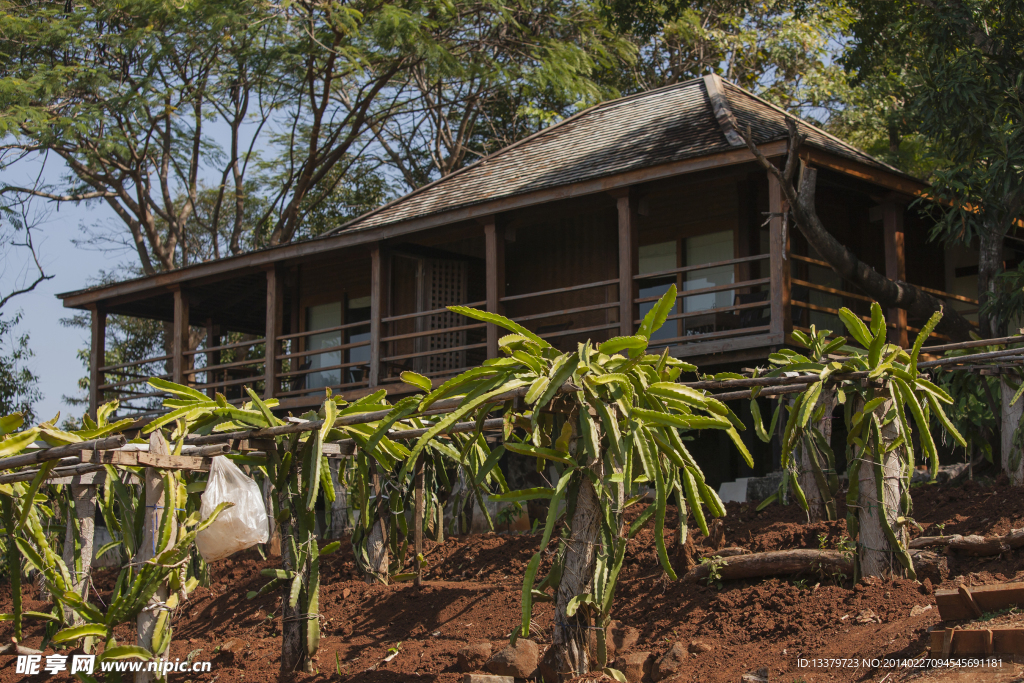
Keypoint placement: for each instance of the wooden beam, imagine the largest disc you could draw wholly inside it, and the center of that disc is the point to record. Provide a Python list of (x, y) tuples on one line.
[(380, 285), (179, 341), (368, 236), (890, 180), (275, 328), (778, 246), (97, 356), (628, 259), (494, 239), (895, 264), (147, 459)]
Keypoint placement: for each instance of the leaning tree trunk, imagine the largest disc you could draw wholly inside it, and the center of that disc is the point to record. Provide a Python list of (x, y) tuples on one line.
[(879, 502), (1012, 452), (813, 470), (570, 633), (84, 497)]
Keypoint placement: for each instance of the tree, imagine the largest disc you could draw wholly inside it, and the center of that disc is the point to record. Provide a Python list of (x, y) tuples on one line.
[(964, 71), (19, 386)]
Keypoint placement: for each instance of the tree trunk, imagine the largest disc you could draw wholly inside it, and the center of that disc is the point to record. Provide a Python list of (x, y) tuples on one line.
[(292, 650), (154, 501), (818, 563), (84, 496), (1012, 454), (990, 264), (816, 506), (877, 557)]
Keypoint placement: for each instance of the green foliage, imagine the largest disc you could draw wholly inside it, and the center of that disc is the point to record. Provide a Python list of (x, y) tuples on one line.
[(19, 386)]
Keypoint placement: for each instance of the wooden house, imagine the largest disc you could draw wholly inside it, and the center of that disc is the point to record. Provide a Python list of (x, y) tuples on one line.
[(573, 232)]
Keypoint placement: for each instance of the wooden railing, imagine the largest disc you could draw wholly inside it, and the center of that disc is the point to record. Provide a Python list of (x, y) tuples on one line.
[(439, 344), (227, 368), (296, 362), (127, 383), (577, 319), (750, 312)]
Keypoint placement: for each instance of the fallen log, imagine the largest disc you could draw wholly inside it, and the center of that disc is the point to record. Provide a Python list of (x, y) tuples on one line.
[(774, 563), (978, 546)]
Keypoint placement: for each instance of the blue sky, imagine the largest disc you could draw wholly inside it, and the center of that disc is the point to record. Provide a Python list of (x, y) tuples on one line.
[(73, 267)]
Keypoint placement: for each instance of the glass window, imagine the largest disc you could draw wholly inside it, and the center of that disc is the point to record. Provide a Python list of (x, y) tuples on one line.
[(656, 258), (710, 248), (356, 310), (320, 317)]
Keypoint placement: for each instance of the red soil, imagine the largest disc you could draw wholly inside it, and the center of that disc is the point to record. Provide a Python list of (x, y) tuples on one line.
[(472, 594)]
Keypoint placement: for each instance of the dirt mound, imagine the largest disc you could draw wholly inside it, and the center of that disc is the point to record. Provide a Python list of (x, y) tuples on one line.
[(473, 589)]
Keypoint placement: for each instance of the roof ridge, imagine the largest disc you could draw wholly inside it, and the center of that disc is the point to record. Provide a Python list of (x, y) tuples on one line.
[(607, 104), (801, 121), (722, 111)]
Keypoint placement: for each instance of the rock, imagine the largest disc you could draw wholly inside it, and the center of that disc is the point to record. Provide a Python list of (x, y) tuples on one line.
[(230, 645), (474, 657), (620, 637), (519, 660), (699, 647), (759, 676), (345, 593), (670, 664), (636, 666), (919, 609), (487, 678), (547, 671)]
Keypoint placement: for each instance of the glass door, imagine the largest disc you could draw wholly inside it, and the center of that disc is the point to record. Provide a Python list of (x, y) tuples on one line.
[(323, 317)]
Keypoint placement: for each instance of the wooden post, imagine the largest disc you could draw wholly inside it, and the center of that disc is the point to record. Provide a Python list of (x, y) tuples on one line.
[(1012, 458), (154, 502), (418, 508), (212, 339), (628, 259), (895, 265), (97, 359), (494, 238), (275, 325), (179, 343), (778, 246), (380, 279), (84, 497)]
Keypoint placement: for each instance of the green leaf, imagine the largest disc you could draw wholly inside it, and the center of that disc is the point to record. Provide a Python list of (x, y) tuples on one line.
[(523, 494), (856, 327), (538, 452), (126, 652), (500, 321), (76, 632), (178, 389), (417, 380), (616, 344), (658, 314)]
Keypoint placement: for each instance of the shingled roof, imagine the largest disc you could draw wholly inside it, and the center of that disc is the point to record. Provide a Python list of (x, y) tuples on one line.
[(691, 119)]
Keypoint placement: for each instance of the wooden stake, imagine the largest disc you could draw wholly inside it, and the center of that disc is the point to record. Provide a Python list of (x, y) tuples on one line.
[(84, 497), (154, 502), (418, 523)]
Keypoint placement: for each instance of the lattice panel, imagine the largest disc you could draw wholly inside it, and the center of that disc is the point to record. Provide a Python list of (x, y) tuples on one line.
[(447, 282)]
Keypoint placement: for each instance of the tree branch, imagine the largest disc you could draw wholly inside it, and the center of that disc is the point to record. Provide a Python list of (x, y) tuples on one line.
[(888, 293)]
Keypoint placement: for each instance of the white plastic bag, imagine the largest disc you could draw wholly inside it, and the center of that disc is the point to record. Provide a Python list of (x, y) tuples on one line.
[(238, 527)]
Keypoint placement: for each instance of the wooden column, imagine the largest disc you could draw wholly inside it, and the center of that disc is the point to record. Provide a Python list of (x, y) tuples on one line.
[(212, 339), (97, 359), (380, 279), (895, 264), (179, 343), (154, 502), (782, 320), (628, 260), (275, 325), (494, 238)]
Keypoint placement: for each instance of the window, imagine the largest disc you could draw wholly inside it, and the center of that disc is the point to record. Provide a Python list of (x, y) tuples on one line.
[(656, 258), (356, 310), (322, 317), (711, 248)]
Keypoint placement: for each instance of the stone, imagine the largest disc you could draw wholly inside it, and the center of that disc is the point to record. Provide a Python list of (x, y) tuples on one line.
[(620, 637), (759, 676), (699, 647), (487, 678), (519, 660), (345, 593), (670, 664), (230, 645), (474, 657), (636, 666)]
